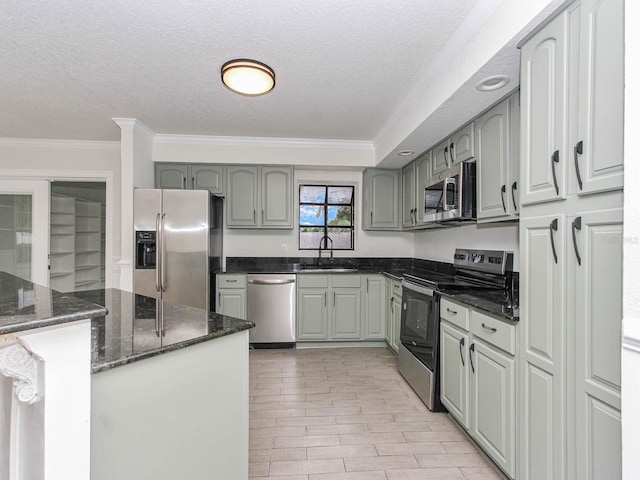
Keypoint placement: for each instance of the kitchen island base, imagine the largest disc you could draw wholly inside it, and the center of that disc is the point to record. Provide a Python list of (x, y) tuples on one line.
[(183, 414)]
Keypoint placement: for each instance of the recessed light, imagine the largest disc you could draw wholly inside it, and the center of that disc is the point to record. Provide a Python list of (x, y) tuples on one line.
[(248, 77), (405, 153), (492, 83)]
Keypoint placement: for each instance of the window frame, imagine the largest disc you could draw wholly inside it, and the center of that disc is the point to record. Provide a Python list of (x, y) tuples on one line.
[(325, 206)]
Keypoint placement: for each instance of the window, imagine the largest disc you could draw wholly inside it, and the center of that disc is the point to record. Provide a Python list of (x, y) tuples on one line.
[(326, 212)]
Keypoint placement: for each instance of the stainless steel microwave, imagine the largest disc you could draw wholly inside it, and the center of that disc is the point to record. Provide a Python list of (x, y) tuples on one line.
[(451, 195)]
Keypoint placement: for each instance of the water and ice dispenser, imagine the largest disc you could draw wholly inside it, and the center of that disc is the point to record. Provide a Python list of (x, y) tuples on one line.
[(145, 249)]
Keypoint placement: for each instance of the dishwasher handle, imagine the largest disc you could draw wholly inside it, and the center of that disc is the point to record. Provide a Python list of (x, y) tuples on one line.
[(270, 282)]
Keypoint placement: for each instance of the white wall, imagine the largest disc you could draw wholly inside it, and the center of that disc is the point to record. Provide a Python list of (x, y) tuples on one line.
[(277, 151), (631, 299), (70, 160), (440, 244), (269, 243)]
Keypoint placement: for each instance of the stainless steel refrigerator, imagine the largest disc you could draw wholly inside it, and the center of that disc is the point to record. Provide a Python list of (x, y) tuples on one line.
[(178, 249)]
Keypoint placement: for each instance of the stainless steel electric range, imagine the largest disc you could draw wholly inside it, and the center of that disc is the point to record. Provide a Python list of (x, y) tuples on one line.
[(418, 355)]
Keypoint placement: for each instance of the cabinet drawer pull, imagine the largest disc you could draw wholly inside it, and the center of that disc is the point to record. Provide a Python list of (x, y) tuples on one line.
[(553, 227), (491, 329), (451, 311), (576, 225), (472, 349), (231, 281), (555, 158), (577, 150)]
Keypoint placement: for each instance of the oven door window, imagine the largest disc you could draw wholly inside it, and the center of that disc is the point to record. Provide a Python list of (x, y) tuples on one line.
[(419, 326)]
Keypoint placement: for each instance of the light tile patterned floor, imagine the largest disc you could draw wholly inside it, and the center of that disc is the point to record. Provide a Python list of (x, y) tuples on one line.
[(347, 414)]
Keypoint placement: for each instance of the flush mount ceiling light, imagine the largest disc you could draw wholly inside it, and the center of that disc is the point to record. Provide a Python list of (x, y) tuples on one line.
[(248, 77), (405, 153), (492, 83)]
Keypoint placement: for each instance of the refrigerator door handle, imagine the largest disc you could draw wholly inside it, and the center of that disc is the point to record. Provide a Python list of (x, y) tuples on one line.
[(163, 276), (157, 252)]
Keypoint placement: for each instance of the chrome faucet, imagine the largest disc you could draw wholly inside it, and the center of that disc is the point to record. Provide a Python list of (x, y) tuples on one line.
[(320, 249)]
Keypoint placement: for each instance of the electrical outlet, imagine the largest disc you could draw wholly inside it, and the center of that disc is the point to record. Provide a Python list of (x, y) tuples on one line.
[(285, 248)]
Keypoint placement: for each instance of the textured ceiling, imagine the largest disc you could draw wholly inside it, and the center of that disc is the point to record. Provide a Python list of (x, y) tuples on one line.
[(342, 67)]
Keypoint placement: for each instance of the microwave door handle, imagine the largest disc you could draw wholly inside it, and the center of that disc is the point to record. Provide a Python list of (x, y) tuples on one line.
[(448, 181)]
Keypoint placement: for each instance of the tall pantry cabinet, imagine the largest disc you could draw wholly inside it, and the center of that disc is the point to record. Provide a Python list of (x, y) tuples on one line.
[(571, 245)]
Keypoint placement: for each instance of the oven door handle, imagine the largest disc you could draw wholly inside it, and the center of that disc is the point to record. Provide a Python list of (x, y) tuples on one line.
[(461, 355), (418, 288)]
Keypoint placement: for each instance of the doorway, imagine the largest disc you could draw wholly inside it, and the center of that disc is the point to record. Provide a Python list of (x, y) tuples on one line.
[(77, 236)]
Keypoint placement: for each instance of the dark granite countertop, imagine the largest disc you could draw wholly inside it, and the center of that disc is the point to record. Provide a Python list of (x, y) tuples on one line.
[(489, 301), (492, 302), (25, 305), (139, 327)]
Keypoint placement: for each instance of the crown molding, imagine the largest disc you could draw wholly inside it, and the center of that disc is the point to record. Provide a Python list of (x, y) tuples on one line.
[(59, 143), (135, 125), (263, 142)]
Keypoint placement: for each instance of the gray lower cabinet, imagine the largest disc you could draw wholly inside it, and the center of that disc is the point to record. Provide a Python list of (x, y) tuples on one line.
[(231, 295), (374, 314), (393, 309), (478, 379), (381, 193), (329, 307), (190, 177), (259, 197)]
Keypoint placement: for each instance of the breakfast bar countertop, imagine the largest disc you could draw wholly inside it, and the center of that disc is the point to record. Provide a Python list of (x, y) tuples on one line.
[(25, 305), (139, 327)]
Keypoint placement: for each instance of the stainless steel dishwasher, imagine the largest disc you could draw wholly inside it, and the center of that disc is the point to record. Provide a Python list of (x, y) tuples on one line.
[(271, 305)]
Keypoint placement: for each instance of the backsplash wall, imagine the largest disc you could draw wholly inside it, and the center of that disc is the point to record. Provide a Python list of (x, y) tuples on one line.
[(440, 244)]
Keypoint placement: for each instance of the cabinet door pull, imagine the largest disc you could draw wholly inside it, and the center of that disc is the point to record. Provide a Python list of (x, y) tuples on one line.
[(491, 329), (371, 218), (367, 284), (514, 187), (254, 216), (184, 183), (220, 301), (193, 183), (503, 190), (262, 216), (451, 153), (577, 150), (461, 344), (334, 299), (391, 302), (576, 225), (472, 349), (553, 227), (325, 299), (555, 158), (446, 151), (451, 311)]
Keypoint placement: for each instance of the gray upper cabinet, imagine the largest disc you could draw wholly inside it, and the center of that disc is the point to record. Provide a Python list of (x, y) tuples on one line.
[(170, 175), (381, 193), (496, 159), (598, 149), (409, 195), (545, 113), (459, 147), (242, 196), (208, 177), (441, 157), (259, 197), (423, 172), (277, 197), (190, 177)]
